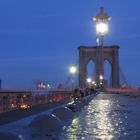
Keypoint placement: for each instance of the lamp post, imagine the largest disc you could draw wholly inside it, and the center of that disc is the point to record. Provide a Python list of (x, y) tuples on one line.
[(102, 26), (101, 80), (72, 70), (89, 81), (101, 77), (102, 29)]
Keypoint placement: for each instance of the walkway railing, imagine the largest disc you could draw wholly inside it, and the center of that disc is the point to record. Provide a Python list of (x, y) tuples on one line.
[(9, 102), (123, 90)]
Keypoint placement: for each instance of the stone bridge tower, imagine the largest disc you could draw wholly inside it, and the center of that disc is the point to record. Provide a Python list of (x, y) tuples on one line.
[(109, 53)]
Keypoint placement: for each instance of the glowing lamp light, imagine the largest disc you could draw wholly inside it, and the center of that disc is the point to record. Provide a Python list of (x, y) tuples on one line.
[(101, 19), (89, 80), (101, 83), (24, 106), (101, 77), (93, 82), (73, 69), (102, 28), (48, 86)]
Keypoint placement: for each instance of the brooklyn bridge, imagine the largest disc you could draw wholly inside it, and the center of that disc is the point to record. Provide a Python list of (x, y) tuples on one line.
[(95, 109)]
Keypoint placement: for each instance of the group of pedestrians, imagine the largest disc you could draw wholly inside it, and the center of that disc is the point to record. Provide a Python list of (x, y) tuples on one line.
[(80, 93)]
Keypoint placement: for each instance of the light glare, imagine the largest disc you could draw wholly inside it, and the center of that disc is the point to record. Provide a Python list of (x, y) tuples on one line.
[(89, 80), (102, 28), (101, 77), (73, 69)]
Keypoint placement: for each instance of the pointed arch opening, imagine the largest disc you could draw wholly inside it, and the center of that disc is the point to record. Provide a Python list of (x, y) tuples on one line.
[(108, 73), (90, 70)]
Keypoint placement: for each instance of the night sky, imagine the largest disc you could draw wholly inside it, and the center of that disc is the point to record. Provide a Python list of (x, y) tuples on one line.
[(39, 38)]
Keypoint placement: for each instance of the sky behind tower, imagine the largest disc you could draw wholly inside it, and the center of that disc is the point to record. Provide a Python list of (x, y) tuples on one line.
[(39, 39)]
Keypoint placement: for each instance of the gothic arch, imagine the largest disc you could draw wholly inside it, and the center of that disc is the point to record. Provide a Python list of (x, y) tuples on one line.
[(91, 52), (90, 69), (107, 73)]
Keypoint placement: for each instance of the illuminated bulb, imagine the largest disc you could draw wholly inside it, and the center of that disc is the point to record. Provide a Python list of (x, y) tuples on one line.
[(73, 69), (89, 80), (101, 83), (102, 28), (101, 77), (93, 82)]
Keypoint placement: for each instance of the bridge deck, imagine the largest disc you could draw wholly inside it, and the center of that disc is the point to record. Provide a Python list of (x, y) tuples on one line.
[(107, 117), (15, 115)]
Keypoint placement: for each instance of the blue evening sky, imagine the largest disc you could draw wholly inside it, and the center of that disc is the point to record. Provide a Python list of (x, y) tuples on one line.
[(39, 38)]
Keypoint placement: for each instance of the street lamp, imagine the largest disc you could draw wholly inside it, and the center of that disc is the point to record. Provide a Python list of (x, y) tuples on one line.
[(102, 27), (72, 70), (89, 80), (93, 82), (101, 83), (101, 77)]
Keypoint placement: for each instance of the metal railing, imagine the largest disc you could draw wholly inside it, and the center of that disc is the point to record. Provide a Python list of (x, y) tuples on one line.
[(9, 102)]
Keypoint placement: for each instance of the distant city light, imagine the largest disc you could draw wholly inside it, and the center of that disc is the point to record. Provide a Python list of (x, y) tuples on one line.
[(41, 85), (24, 106)]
